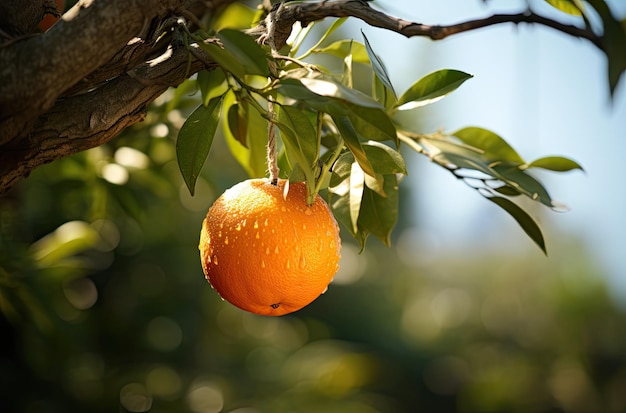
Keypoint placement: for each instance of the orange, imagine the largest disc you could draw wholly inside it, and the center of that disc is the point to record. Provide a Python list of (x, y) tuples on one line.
[(267, 254)]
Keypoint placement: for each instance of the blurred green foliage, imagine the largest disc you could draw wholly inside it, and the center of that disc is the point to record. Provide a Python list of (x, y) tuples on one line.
[(105, 308)]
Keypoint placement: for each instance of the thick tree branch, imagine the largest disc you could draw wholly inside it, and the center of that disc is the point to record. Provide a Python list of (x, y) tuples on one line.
[(37, 70), (99, 115), (309, 12)]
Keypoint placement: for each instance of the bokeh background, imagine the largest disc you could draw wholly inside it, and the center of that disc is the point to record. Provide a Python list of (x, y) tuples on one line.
[(105, 307)]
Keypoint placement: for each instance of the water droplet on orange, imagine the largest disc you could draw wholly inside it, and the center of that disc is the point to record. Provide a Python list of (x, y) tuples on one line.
[(226, 241), (256, 225), (308, 211)]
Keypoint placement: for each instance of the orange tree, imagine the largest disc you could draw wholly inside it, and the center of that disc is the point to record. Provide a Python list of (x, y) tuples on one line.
[(93, 74), (73, 88)]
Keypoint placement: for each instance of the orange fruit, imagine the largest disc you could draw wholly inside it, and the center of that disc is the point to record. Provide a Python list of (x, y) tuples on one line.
[(268, 254)]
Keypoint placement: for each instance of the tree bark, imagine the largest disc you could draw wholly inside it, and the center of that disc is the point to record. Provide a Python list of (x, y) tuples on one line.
[(86, 79)]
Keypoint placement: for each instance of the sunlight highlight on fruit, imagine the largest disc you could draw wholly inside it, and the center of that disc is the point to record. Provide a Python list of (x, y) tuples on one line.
[(268, 254)]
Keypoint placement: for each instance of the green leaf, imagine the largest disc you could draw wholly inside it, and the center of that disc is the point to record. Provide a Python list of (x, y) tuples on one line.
[(334, 26), (371, 123), (379, 214), (384, 160), (342, 168), (237, 119), (301, 132), (300, 139), (235, 16), (383, 95), (613, 43), (251, 156), (367, 117), (528, 224), (555, 163), (526, 184), (431, 88), (340, 206), (357, 181), (378, 66), (329, 87), (211, 84), (566, 6), (238, 54), (493, 146), (194, 140), (343, 48), (66, 241), (352, 141)]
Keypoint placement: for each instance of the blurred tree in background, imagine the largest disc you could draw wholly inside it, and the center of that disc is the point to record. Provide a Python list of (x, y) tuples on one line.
[(105, 307)]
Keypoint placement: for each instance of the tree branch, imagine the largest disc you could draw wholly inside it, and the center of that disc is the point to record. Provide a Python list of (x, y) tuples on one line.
[(309, 12), (99, 115)]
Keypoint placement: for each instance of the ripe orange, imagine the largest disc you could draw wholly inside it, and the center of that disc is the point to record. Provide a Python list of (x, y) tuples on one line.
[(267, 254)]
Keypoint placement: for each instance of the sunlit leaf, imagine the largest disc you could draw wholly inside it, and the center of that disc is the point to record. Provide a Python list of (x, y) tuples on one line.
[(379, 214), (368, 119), (352, 141), (195, 139), (493, 146), (329, 87), (378, 66), (251, 157), (357, 181), (300, 139), (431, 88), (340, 206), (384, 160), (211, 84), (67, 240), (527, 223), (383, 95), (334, 26), (235, 16), (555, 163), (342, 48), (566, 6)]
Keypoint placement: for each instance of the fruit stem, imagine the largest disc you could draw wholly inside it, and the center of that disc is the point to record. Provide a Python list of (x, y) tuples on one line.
[(272, 158)]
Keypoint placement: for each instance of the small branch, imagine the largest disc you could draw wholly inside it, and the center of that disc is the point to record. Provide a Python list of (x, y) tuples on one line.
[(309, 12)]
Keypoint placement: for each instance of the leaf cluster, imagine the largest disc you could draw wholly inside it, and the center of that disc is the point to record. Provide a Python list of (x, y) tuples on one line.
[(341, 139)]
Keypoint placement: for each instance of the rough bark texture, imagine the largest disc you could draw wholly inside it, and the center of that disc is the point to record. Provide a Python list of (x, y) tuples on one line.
[(87, 78)]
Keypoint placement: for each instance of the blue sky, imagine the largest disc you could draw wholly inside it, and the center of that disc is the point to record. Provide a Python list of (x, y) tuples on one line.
[(546, 94)]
